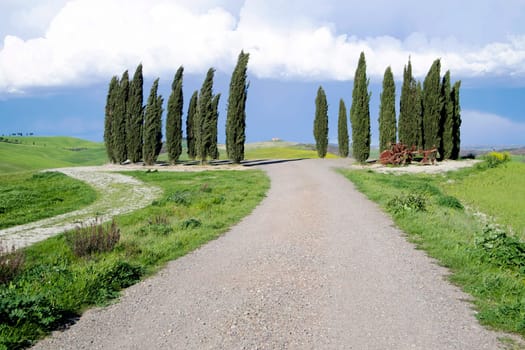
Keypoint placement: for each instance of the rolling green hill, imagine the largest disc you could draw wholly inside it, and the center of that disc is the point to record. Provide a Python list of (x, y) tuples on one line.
[(35, 153)]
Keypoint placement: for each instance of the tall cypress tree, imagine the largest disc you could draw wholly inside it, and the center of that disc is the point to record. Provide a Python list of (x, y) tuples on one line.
[(321, 123), (111, 102), (174, 118), (190, 125), (387, 112), (214, 149), (120, 120), (236, 115), (342, 130), (360, 113), (456, 135), (409, 110), (135, 116), (153, 126), (418, 114), (204, 118), (447, 119), (432, 106)]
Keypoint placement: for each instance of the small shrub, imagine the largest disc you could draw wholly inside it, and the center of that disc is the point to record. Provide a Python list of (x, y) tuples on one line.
[(501, 249), (94, 238), (11, 263), (407, 202), (190, 223), (180, 197), (493, 159), (449, 202)]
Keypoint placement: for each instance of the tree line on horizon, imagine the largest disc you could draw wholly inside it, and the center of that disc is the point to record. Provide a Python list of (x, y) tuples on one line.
[(133, 132), (429, 114)]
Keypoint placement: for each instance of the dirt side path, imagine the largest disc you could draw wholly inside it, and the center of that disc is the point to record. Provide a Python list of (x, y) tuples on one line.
[(118, 194), (316, 266)]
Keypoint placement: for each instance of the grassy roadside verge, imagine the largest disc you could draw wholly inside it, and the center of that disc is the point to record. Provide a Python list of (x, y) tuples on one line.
[(485, 262), (56, 285), (27, 197)]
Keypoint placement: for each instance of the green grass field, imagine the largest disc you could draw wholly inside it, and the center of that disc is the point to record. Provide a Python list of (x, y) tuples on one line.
[(27, 197), (485, 261), (56, 285), (36, 153)]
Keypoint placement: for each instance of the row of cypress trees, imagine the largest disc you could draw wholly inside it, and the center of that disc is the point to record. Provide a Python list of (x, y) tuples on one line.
[(133, 132), (430, 115)]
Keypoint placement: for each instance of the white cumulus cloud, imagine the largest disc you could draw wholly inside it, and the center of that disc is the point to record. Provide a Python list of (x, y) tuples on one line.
[(90, 40)]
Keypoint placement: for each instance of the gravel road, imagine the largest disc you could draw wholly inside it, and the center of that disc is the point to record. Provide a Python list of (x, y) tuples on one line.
[(118, 194), (316, 266)]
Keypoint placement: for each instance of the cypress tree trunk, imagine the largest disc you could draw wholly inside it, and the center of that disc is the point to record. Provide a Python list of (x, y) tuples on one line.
[(387, 112), (153, 126), (456, 135), (432, 105), (120, 120), (174, 118), (111, 101), (342, 130), (204, 119), (190, 125), (360, 113), (447, 119), (321, 123), (236, 115), (136, 116), (214, 149)]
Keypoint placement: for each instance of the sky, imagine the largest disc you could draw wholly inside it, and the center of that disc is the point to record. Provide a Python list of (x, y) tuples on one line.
[(58, 56)]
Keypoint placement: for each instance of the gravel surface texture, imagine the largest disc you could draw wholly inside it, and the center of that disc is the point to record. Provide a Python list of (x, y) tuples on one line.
[(315, 266)]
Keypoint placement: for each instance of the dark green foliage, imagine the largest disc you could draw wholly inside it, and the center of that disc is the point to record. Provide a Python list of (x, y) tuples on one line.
[(93, 238), (236, 115), (190, 223), (153, 126), (174, 118), (120, 120), (190, 125), (409, 110), (449, 202), (418, 113), (204, 118), (456, 136), (360, 113), (502, 250), (321, 123), (432, 105), (111, 102), (214, 149), (135, 116), (409, 202), (342, 130), (447, 119), (387, 112)]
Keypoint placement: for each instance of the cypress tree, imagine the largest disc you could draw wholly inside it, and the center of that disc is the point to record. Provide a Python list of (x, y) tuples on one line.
[(153, 126), (387, 112), (409, 126), (360, 113), (174, 118), (456, 135), (136, 116), (214, 149), (111, 101), (204, 118), (342, 130), (190, 125), (447, 119), (321, 123), (432, 106), (120, 120), (236, 115), (418, 114)]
